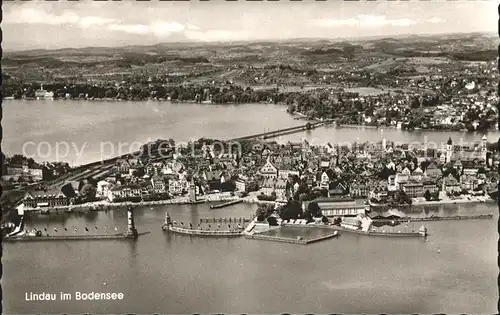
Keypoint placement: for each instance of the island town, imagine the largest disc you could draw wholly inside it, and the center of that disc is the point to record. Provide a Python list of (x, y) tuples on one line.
[(362, 187)]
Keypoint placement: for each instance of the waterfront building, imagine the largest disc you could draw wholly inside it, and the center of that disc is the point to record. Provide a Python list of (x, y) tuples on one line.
[(158, 184), (125, 193), (176, 186), (103, 188), (16, 172), (43, 94), (413, 189), (451, 184), (45, 199), (214, 179), (351, 223), (338, 207), (269, 170), (430, 185), (241, 184), (275, 185)]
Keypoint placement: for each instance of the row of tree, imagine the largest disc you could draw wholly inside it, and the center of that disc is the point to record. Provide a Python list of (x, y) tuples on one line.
[(292, 210)]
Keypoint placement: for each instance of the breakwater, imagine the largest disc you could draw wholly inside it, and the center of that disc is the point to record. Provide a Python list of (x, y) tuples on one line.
[(226, 204), (436, 218), (224, 233), (376, 233), (371, 233), (30, 238), (297, 240), (225, 220)]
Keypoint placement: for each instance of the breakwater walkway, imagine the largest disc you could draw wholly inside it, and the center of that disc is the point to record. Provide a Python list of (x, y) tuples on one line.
[(33, 238), (420, 233), (226, 204), (437, 218), (225, 220), (298, 240), (197, 232)]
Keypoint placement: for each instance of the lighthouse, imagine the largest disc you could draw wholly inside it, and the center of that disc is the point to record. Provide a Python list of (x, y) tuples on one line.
[(131, 230), (192, 191)]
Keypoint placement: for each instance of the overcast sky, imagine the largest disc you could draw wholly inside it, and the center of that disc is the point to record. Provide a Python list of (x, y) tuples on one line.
[(50, 25)]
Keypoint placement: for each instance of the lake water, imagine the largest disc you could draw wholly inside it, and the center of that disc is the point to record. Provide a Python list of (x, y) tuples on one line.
[(79, 132), (178, 274), (167, 273)]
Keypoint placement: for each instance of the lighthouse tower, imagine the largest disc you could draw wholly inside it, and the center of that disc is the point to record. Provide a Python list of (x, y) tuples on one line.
[(484, 150), (449, 150), (192, 191), (131, 230)]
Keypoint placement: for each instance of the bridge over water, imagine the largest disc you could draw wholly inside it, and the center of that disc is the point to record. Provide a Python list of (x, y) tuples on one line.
[(281, 132)]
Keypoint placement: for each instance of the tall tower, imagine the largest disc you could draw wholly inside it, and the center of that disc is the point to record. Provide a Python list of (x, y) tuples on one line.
[(131, 230), (449, 150), (484, 150), (192, 191), (384, 142)]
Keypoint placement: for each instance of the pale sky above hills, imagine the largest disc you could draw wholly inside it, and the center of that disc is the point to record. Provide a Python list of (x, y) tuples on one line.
[(50, 25)]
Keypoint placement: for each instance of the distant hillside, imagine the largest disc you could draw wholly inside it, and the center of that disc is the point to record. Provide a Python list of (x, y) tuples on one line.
[(199, 59)]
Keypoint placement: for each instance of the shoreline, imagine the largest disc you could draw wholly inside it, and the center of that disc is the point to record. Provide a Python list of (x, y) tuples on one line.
[(302, 116), (102, 206), (453, 201), (416, 202)]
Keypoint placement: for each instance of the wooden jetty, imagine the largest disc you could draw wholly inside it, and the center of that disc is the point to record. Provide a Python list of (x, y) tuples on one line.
[(226, 204)]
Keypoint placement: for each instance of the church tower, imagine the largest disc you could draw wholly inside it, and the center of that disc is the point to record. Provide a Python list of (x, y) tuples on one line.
[(449, 150), (484, 150)]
